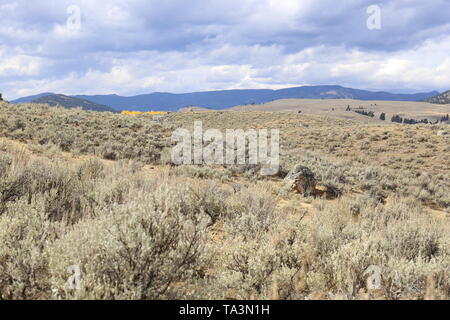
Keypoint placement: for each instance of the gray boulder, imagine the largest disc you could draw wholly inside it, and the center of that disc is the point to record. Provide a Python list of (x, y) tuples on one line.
[(301, 180)]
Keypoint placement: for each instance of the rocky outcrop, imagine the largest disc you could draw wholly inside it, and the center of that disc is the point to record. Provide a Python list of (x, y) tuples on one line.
[(303, 181)]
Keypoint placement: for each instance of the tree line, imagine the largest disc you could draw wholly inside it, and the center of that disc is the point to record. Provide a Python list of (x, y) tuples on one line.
[(397, 118)]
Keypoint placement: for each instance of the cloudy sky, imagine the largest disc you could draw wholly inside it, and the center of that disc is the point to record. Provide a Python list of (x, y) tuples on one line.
[(142, 46)]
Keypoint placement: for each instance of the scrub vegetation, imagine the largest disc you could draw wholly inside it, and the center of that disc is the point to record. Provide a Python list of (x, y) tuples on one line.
[(97, 191)]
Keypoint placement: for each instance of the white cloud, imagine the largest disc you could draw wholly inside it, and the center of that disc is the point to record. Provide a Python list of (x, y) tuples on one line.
[(142, 46), (19, 65)]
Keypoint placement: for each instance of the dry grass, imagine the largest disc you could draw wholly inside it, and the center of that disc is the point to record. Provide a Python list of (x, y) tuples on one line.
[(336, 108), (109, 136), (142, 230)]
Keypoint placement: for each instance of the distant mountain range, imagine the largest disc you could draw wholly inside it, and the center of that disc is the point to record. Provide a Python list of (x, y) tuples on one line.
[(70, 102), (443, 98), (227, 98)]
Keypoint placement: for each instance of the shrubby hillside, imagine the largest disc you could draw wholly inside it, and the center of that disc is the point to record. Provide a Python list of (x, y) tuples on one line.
[(443, 98), (71, 102)]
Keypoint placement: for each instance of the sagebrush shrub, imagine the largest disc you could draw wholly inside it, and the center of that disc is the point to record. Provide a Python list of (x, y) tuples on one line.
[(141, 250), (25, 232)]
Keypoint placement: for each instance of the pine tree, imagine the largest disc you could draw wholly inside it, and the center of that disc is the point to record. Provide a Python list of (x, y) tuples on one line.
[(397, 118)]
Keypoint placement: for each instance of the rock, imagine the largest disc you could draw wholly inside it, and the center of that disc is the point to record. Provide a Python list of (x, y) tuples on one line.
[(301, 180)]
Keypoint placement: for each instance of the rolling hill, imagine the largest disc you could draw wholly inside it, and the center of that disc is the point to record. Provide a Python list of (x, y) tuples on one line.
[(71, 102), (443, 98), (336, 108)]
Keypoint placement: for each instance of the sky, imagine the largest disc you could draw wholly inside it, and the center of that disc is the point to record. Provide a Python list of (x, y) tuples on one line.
[(142, 46)]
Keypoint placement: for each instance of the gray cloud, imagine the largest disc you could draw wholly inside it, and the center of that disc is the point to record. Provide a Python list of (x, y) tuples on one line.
[(172, 45)]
